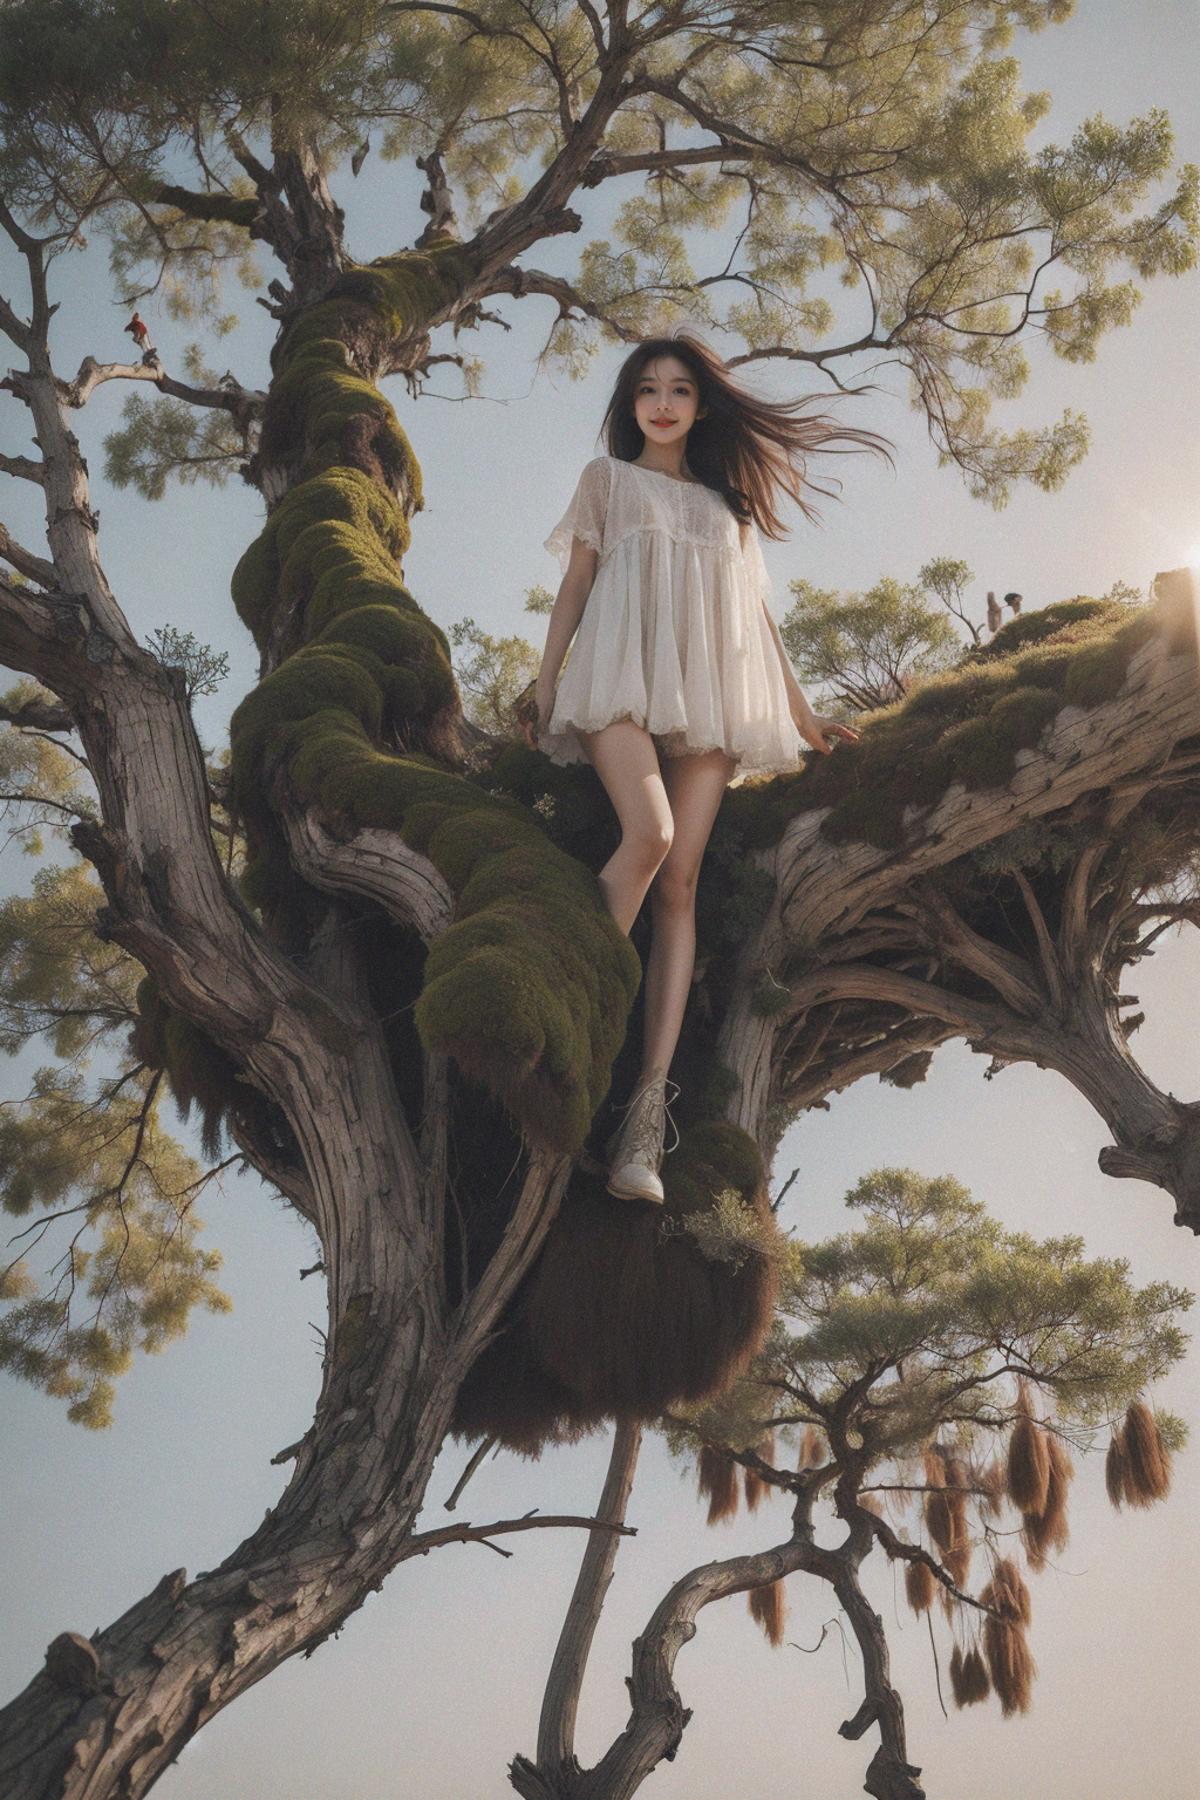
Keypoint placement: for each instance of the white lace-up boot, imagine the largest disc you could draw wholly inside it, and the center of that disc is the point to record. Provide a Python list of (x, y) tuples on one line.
[(636, 1148)]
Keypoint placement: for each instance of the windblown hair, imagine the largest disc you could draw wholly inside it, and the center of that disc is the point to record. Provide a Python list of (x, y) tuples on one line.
[(768, 1606), (746, 449)]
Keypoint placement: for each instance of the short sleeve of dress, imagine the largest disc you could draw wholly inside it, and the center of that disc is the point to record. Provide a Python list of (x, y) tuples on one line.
[(584, 517)]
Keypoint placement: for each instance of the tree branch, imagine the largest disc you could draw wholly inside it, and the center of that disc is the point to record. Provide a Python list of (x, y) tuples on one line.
[(424, 1541)]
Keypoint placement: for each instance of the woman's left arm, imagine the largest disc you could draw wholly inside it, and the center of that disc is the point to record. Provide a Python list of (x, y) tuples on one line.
[(814, 730)]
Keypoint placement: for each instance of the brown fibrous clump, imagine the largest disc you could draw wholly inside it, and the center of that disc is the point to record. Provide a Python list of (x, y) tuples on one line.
[(768, 1606), (968, 1677), (753, 1485), (716, 1479), (1048, 1530), (939, 1515), (920, 1585), (1116, 1469), (812, 1448), (1007, 1594), (976, 1685), (1028, 1466), (1010, 1662), (1147, 1459), (993, 1481)]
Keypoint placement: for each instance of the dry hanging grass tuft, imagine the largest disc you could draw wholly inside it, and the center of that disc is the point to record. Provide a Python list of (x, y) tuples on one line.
[(871, 1503), (1007, 1593), (1010, 1663), (812, 1448), (993, 1481), (1049, 1530), (753, 1485), (958, 1682), (937, 1508), (1116, 1470), (920, 1585), (958, 1479), (958, 1565), (716, 1478), (968, 1677), (1028, 1466), (1148, 1461), (975, 1678), (768, 1606)]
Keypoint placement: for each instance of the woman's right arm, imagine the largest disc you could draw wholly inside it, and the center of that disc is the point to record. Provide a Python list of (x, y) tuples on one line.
[(565, 615)]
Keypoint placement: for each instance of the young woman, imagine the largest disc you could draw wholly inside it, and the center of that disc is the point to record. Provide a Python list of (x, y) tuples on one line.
[(678, 678)]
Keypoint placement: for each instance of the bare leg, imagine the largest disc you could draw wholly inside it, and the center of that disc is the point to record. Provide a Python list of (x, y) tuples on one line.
[(695, 786), (624, 757)]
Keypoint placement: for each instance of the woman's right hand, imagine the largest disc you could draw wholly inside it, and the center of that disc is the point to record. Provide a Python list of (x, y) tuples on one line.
[(533, 714)]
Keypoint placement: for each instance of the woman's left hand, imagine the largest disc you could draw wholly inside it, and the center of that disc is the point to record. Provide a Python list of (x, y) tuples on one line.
[(816, 731)]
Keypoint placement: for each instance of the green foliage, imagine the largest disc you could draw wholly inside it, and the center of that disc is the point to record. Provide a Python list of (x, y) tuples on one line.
[(968, 724), (915, 1327), (203, 669), (930, 1292), (57, 978), (43, 788), (868, 648), (100, 104), (133, 1259), (85, 1161), (164, 437), (492, 675)]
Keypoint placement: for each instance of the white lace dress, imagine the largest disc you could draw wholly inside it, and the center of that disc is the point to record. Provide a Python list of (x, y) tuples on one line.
[(674, 634)]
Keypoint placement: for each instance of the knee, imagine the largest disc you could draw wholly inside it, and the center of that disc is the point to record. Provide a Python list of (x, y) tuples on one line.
[(649, 845), (675, 887)]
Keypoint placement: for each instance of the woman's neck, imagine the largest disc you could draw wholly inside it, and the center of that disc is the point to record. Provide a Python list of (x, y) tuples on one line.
[(664, 461)]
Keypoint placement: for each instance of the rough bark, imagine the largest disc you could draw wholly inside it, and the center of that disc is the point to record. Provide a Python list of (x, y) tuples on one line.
[(866, 931), (556, 1759)]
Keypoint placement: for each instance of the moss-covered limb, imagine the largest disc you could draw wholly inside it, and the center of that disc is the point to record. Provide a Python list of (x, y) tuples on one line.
[(530, 987), (947, 770)]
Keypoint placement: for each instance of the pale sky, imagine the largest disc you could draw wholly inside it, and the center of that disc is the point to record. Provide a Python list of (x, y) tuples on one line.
[(436, 1682)]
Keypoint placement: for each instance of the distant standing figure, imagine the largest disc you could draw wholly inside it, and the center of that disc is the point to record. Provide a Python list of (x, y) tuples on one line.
[(1013, 600), (139, 331), (994, 613), (678, 677)]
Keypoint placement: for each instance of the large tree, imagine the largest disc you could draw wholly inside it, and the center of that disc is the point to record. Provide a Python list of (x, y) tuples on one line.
[(372, 947)]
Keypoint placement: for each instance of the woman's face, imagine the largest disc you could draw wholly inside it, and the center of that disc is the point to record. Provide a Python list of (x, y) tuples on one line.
[(666, 401)]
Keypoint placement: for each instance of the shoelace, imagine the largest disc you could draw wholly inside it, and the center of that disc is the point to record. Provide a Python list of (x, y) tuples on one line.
[(640, 1132)]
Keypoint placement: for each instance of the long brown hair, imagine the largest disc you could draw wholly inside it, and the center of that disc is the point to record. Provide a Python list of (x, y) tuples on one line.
[(746, 449)]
